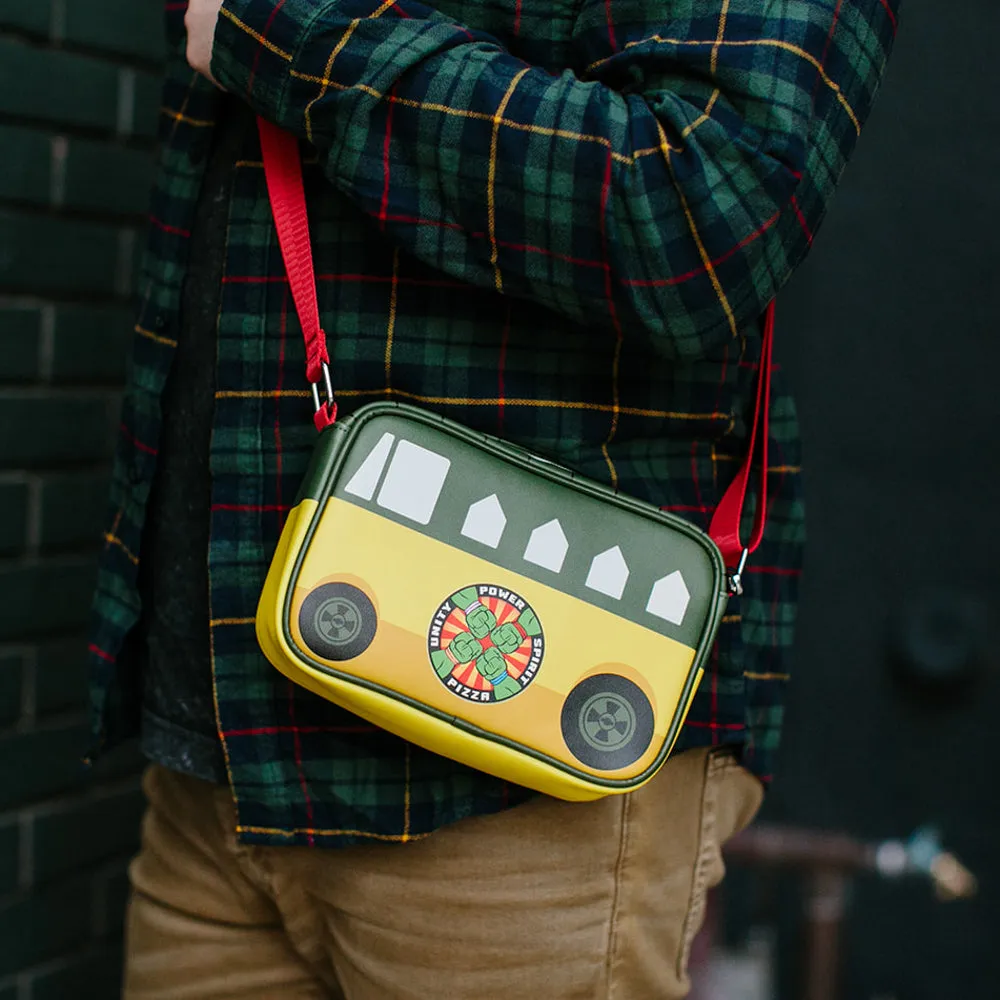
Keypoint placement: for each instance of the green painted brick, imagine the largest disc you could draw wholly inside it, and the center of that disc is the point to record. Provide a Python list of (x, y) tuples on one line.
[(105, 177), (26, 165), (93, 175), (135, 280), (124, 26), (20, 330), (44, 924), (11, 681), (42, 763), (117, 889), (13, 517), (72, 510), (61, 255), (125, 761), (51, 428), (10, 857), (28, 15), (10, 696), (46, 598), (61, 677), (80, 835), (55, 86), (148, 97), (94, 975), (91, 344)]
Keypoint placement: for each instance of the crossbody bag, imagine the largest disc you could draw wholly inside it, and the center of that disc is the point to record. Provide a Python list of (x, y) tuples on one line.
[(479, 600)]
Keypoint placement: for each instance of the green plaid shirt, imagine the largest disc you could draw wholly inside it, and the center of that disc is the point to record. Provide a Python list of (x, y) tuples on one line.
[(559, 223)]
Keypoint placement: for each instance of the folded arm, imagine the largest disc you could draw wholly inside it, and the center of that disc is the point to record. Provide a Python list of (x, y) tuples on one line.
[(641, 188)]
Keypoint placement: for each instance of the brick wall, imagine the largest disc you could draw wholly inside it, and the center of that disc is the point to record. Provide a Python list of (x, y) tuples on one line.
[(78, 99)]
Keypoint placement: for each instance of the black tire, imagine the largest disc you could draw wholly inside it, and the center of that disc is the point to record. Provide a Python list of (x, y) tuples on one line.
[(607, 722), (337, 621)]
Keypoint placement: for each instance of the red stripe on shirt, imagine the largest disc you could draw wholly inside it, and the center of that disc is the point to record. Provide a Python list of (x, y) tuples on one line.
[(173, 230), (716, 726), (384, 210), (611, 26), (802, 220), (302, 730), (97, 651), (260, 48), (139, 444), (699, 271)]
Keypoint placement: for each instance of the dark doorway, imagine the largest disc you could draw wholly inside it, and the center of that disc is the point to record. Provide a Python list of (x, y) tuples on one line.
[(891, 336)]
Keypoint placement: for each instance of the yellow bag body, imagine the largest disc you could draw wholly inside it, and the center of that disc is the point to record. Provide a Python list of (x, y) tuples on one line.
[(489, 605)]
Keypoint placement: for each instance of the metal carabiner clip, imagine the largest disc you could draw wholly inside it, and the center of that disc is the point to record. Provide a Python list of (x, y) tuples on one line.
[(736, 577), (326, 413), (328, 384)]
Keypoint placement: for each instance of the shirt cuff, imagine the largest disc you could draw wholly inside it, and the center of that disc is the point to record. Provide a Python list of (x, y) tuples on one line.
[(256, 42)]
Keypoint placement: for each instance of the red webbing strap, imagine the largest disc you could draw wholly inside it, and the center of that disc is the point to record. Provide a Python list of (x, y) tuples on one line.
[(725, 526), (283, 170)]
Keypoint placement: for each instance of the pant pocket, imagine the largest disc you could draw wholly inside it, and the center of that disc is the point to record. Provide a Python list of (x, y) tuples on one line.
[(731, 797)]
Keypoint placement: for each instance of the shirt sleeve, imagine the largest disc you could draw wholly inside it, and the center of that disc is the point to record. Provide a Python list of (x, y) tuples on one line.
[(669, 180)]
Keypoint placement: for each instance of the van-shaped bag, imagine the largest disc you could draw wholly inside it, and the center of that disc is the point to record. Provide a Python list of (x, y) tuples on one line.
[(489, 605)]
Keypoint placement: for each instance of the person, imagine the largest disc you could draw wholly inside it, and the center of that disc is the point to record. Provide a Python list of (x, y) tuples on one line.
[(559, 224)]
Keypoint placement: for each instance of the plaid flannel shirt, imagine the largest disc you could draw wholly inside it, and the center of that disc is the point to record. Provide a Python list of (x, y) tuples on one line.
[(556, 222)]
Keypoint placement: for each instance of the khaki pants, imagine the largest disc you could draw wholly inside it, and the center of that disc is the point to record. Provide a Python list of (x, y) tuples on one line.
[(550, 899)]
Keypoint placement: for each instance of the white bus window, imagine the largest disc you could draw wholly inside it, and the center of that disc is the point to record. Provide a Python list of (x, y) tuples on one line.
[(669, 598), (547, 546), (362, 484), (609, 573), (414, 482), (485, 521)]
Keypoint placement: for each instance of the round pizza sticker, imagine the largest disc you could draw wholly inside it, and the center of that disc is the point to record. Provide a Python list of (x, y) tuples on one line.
[(485, 643)]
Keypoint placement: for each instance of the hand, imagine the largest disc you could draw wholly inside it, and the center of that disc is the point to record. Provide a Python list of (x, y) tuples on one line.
[(480, 621), (506, 638), (492, 665), (200, 21), (464, 648)]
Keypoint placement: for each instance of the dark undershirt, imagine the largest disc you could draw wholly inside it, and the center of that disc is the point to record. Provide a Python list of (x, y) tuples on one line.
[(178, 719)]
